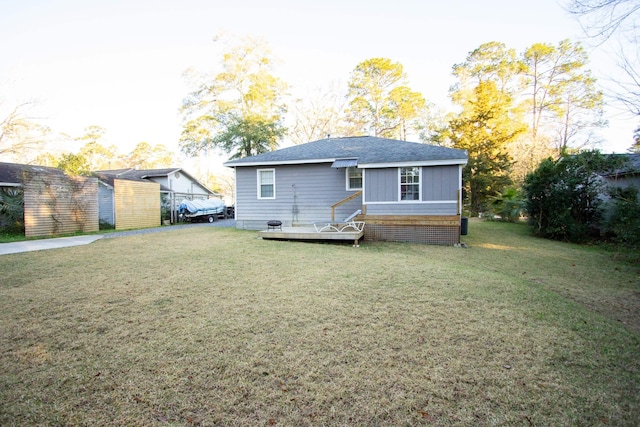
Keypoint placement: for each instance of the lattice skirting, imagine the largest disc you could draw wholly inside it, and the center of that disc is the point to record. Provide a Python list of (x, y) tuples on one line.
[(427, 234)]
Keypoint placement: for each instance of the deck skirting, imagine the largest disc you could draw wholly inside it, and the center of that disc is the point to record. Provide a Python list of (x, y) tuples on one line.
[(432, 230)]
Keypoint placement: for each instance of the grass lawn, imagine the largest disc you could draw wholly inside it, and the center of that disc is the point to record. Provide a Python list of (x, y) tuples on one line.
[(212, 326)]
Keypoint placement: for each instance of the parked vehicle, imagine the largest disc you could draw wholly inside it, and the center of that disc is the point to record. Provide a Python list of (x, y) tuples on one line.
[(201, 210)]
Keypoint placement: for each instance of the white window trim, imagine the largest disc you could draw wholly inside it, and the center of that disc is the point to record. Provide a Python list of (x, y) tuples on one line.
[(259, 183), (422, 202), (400, 185), (346, 174)]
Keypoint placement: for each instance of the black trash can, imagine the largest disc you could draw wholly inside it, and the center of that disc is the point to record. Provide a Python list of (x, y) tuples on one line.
[(464, 225)]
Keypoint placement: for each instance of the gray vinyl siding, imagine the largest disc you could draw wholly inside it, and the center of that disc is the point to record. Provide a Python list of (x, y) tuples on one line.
[(381, 185), (105, 204), (303, 194), (439, 184), (412, 208), (625, 181)]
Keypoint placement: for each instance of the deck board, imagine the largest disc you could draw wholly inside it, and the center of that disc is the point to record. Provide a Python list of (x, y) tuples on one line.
[(309, 233)]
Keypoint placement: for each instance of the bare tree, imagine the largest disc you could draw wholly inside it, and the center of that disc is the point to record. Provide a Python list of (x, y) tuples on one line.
[(604, 20), (601, 19), (317, 115), (20, 134)]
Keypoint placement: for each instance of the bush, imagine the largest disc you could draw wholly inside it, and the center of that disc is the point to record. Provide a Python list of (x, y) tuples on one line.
[(564, 196), (507, 206), (11, 210), (624, 219)]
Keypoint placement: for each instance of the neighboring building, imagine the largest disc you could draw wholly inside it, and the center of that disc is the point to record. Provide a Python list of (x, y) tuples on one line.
[(108, 198), (629, 175), (11, 174), (53, 203), (176, 180), (175, 184), (405, 191)]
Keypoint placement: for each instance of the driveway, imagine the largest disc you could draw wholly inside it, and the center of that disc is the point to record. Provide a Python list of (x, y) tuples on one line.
[(63, 242)]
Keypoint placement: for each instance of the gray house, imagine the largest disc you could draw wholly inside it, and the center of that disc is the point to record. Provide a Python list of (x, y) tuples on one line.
[(403, 191), (629, 175)]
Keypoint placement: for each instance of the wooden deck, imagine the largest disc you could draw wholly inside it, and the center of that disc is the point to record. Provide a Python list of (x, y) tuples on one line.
[(310, 234)]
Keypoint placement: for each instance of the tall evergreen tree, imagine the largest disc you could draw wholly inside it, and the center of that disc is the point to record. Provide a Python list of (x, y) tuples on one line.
[(380, 101), (484, 129)]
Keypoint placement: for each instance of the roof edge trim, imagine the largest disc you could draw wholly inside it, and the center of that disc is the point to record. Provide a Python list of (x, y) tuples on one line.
[(410, 163), (233, 164)]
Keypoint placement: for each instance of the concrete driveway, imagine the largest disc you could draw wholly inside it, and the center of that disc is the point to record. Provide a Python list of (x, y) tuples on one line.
[(39, 245)]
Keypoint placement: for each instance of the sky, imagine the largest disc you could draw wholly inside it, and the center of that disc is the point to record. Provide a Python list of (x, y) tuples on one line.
[(119, 64)]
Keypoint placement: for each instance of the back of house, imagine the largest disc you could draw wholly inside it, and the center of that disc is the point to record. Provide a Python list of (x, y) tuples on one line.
[(404, 191)]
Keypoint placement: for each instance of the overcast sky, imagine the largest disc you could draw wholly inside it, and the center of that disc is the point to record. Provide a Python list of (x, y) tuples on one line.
[(119, 63)]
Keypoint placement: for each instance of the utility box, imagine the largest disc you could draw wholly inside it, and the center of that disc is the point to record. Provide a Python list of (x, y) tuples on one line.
[(464, 225)]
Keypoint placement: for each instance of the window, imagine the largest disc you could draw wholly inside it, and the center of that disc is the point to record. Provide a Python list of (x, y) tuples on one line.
[(266, 183), (410, 183), (354, 178)]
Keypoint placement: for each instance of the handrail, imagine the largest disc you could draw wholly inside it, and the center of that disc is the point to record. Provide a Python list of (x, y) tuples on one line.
[(335, 205)]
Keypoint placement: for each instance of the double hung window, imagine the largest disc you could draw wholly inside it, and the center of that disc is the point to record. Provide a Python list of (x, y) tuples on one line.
[(354, 178), (410, 183), (266, 183)]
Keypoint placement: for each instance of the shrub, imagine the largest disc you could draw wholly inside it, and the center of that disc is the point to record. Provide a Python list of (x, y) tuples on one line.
[(11, 210), (564, 196), (507, 206), (624, 219)]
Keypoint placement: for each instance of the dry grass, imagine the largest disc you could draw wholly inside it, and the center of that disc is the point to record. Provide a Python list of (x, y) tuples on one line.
[(212, 326)]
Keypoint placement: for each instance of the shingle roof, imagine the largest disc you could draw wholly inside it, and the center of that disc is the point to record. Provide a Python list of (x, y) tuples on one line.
[(107, 176), (631, 167), (11, 173), (367, 149), (131, 173)]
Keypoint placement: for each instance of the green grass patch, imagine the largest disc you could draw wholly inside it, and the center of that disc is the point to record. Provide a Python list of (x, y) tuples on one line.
[(11, 236), (213, 326)]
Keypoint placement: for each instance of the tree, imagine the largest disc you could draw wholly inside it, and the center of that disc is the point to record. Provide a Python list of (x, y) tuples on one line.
[(245, 92), (73, 164), (46, 159), (564, 195), (94, 152), (432, 126), (147, 156), (624, 220), (493, 62), (635, 148), (408, 106), (548, 83), (603, 20), (562, 98), (379, 100), (483, 129), (248, 136), (316, 115), (20, 135), (488, 83), (97, 156)]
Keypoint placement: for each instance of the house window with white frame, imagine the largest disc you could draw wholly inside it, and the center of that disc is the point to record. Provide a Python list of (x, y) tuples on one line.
[(410, 183), (354, 178), (266, 183)]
